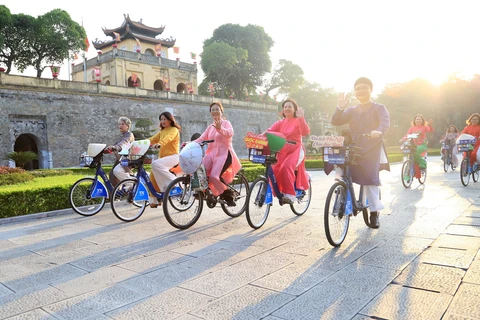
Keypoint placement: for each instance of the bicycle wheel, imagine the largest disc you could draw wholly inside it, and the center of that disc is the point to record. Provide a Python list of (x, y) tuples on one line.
[(81, 201), (302, 203), (122, 201), (464, 175), (446, 162), (475, 173), (257, 210), (423, 176), (335, 218), (406, 177), (240, 184), (182, 209)]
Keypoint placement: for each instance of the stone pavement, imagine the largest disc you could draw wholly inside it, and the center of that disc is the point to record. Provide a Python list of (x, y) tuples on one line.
[(423, 263)]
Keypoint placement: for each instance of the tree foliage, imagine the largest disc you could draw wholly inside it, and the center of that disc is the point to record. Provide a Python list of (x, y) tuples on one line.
[(257, 43), (220, 61), (287, 77), (38, 42), (22, 157)]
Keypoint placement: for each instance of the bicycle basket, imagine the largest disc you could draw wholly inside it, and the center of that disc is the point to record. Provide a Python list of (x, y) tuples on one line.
[(335, 155), (259, 155), (464, 147), (85, 161)]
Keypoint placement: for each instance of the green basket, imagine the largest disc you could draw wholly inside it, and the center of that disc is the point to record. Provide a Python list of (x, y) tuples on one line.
[(276, 141)]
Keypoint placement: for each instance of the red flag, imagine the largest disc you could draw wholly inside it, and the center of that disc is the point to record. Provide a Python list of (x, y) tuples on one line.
[(138, 42), (117, 36), (158, 47), (87, 44), (176, 50)]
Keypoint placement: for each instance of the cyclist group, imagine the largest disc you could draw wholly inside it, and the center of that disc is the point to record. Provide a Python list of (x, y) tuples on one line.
[(368, 122)]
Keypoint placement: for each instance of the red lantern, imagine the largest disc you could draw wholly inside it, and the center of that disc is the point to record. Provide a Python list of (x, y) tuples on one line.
[(2, 69), (97, 74), (115, 45)]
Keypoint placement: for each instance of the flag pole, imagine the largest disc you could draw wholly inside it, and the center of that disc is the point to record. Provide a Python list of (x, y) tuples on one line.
[(84, 68)]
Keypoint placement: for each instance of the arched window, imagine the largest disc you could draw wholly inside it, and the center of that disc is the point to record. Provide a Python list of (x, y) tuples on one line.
[(181, 88), (26, 142), (158, 85), (130, 82), (149, 52)]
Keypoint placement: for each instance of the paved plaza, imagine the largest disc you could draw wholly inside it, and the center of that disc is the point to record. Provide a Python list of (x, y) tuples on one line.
[(423, 262)]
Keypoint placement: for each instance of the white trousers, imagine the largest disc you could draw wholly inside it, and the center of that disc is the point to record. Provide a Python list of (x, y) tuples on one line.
[(160, 170), (372, 193), (121, 172)]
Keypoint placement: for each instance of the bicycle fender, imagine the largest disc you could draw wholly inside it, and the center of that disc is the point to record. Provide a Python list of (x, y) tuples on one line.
[(142, 193), (269, 197), (99, 191)]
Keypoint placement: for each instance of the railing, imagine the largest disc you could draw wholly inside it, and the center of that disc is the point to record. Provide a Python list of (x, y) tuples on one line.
[(135, 56)]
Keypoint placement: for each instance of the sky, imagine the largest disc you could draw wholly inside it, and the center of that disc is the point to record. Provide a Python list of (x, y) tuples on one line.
[(334, 42)]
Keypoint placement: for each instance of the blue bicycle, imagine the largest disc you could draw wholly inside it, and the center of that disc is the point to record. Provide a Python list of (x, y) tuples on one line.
[(466, 168), (408, 168), (87, 196), (260, 195), (130, 197)]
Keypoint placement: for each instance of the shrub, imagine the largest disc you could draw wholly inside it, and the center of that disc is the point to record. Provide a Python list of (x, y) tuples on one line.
[(50, 172), (9, 176)]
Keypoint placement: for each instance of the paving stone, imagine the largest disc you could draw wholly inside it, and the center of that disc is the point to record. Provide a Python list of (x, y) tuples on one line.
[(154, 262), (305, 246), (469, 221), (220, 259), (431, 277), (95, 280), (246, 303), (202, 247), (361, 278), (465, 303), (448, 257), (36, 314), (457, 242), (408, 243), (160, 280), (390, 257), (21, 302), (473, 231), (295, 278), (188, 317), (473, 273), (4, 290), (166, 305), (11, 272), (268, 261), (324, 302), (361, 317), (94, 303), (397, 302), (48, 276)]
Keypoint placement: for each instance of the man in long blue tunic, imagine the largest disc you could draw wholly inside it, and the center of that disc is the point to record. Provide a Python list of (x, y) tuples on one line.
[(372, 118)]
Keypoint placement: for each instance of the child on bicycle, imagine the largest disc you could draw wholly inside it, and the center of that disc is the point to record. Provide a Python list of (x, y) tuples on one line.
[(167, 139), (420, 127), (372, 118)]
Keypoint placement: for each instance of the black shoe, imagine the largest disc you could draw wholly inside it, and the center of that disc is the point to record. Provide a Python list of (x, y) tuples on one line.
[(374, 220), (227, 196)]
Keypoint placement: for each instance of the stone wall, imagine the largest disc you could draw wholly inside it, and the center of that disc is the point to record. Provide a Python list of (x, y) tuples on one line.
[(63, 122)]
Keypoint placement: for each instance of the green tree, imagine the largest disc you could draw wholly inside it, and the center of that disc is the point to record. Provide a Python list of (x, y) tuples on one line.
[(287, 77), (22, 157), (5, 21), (220, 61), (16, 49), (257, 42), (56, 37)]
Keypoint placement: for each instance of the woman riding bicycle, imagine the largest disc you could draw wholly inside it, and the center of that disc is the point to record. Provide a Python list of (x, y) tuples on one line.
[(420, 127), (119, 172), (167, 139), (220, 161), (370, 118), (449, 140), (291, 156), (473, 128)]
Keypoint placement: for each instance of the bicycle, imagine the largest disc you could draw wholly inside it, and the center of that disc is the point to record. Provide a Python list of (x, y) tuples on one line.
[(408, 168), (447, 157), (130, 197), (183, 208), (341, 202), (87, 196), (260, 196), (466, 168)]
